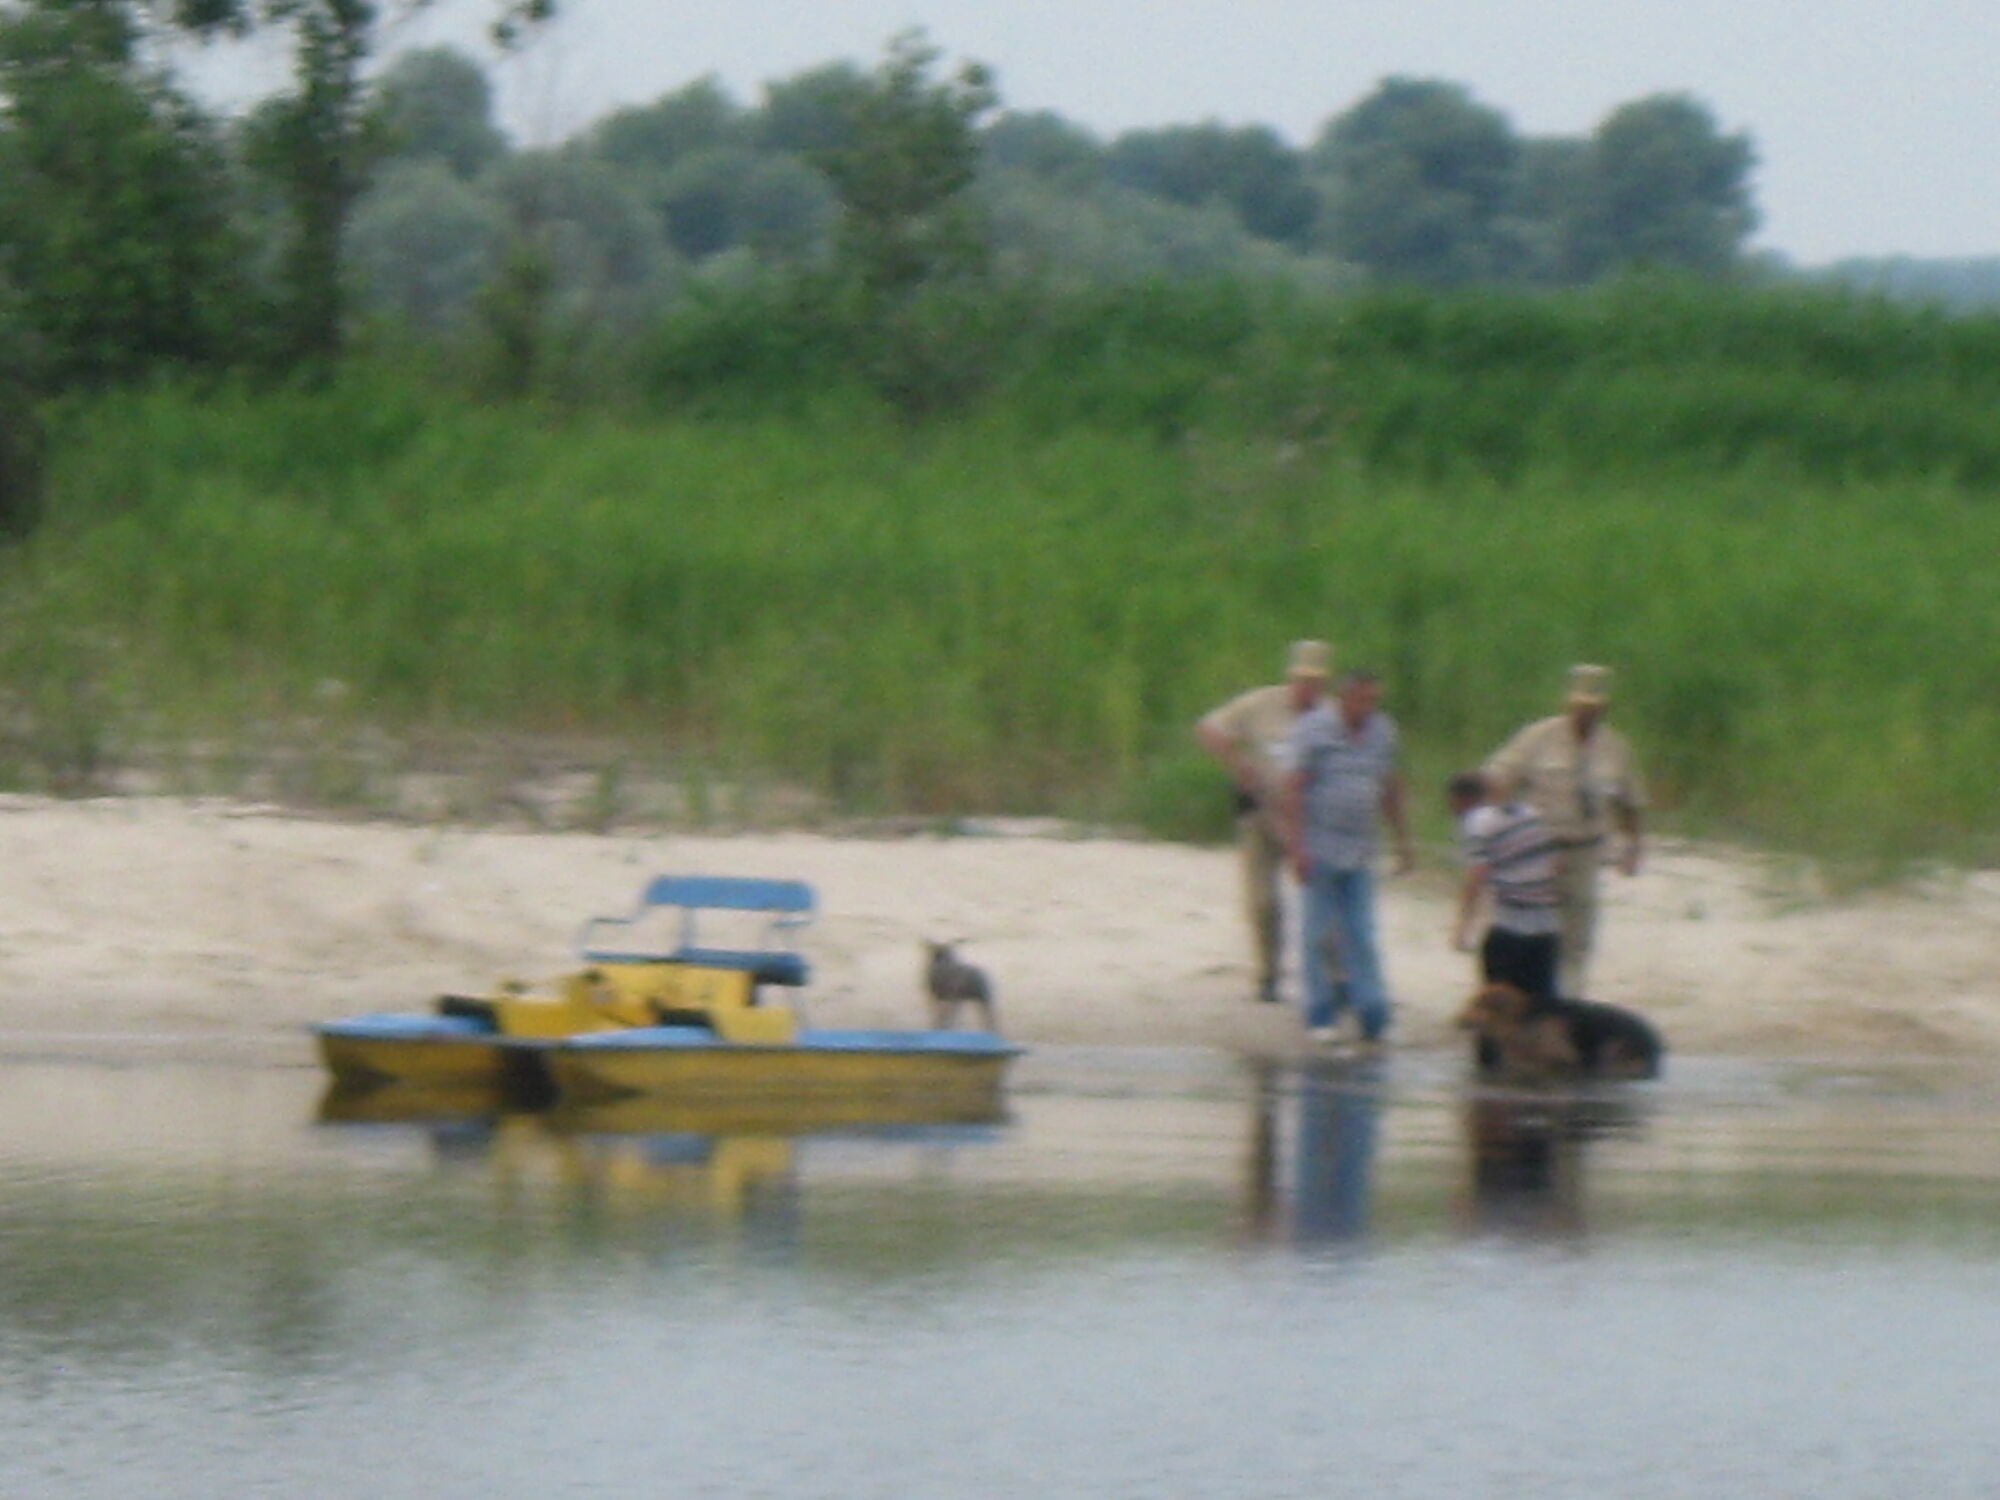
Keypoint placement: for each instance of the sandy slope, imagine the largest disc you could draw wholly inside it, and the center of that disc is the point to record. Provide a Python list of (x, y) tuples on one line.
[(222, 925)]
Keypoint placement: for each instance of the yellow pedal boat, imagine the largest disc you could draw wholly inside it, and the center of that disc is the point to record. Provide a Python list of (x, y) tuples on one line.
[(681, 1017)]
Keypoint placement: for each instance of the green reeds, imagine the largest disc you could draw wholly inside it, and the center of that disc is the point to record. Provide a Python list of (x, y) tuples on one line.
[(1785, 547)]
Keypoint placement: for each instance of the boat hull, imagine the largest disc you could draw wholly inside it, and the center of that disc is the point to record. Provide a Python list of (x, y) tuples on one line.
[(947, 1068), (431, 1052)]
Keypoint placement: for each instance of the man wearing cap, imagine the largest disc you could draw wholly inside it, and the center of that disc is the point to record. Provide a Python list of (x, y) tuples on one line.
[(1579, 774), (1250, 735)]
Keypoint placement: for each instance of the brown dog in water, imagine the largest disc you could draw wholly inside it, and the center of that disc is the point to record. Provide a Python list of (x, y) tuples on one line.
[(1558, 1038)]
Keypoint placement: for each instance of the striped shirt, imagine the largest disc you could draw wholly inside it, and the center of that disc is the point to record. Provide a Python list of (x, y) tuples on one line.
[(1521, 859), (1345, 771)]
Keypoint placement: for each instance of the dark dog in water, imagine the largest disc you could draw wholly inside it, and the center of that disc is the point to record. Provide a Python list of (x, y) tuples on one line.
[(952, 982), (1558, 1038)]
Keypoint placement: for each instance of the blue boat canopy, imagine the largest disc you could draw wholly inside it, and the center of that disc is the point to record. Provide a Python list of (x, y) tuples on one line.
[(788, 903)]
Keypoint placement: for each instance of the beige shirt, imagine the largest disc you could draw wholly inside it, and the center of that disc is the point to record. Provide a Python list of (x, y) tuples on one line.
[(1260, 723), (1574, 784)]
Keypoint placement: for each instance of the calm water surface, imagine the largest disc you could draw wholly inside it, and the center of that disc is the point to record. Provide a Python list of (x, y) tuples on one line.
[(1159, 1275)]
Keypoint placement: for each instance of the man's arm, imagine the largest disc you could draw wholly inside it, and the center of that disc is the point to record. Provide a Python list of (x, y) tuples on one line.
[(1218, 737), (1631, 823), (1630, 810), (1394, 815), (1470, 890), (1292, 822)]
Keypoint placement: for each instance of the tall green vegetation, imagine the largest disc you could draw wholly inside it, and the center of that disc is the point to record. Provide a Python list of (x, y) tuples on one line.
[(1024, 607)]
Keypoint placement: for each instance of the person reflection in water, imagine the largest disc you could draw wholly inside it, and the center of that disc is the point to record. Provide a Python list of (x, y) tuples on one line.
[(1526, 1163), (1336, 1109), (1525, 1171)]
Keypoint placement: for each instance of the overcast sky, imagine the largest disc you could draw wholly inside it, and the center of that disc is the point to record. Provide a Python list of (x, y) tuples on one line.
[(1877, 122)]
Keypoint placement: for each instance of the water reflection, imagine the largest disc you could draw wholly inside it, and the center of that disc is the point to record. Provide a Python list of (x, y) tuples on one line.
[(1335, 1123), (214, 1283), (730, 1163), (1517, 1161), (1526, 1156)]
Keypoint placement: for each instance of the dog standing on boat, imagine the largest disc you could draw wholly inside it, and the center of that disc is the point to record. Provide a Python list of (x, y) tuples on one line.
[(1518, 1037), (952, 982)]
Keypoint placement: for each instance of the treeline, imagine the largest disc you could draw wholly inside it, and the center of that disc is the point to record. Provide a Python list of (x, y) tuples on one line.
[(1419, 183), (139, 234), (1963, 283)]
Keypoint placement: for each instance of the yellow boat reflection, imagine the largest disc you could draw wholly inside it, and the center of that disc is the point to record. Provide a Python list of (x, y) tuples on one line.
[(723, 1159)]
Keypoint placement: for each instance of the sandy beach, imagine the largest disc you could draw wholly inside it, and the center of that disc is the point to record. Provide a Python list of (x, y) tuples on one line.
[(218, 925)]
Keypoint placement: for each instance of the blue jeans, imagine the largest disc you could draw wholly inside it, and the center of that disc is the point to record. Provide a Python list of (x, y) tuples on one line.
[(1343, 901)]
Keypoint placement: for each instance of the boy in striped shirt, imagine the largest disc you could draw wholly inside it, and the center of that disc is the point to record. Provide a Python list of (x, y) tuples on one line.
[(1511, 857)]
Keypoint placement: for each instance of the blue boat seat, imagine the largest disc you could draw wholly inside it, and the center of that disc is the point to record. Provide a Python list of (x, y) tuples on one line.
[(788, 906)]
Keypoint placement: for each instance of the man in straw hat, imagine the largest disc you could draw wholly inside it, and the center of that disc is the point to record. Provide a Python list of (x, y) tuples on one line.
[(1250, 736), (1579, 774)]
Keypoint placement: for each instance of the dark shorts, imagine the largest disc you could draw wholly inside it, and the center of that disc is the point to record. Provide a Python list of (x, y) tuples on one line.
[(1525, 960)]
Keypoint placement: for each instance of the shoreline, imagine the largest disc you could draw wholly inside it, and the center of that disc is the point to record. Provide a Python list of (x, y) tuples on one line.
[(206, 926)]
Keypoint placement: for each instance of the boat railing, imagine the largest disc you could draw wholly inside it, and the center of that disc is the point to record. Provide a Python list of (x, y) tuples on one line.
[(784, 908)]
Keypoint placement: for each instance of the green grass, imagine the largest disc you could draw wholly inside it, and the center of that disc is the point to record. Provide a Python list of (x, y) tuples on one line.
[(1013, 611)]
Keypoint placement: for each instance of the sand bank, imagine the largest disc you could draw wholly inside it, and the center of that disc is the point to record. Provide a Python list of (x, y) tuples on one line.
[(224, 924)]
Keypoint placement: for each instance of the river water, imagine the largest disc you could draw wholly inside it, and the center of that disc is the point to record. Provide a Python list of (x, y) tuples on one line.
[(1159, 1274)]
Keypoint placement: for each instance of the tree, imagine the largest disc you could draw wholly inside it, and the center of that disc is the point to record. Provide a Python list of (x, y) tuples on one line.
[(1110, 235), (784, 207), (660, 135), (1550, 197), (911, 245), (1044, 143), (115, 246), (811, 113), (1249, 169), (582, 254), (901, 178), (318, 143), (1418, 174), (423, 242), (1666, 188), (21, 459), (314, 146), (436, 103), (591, 224), (732, 197)]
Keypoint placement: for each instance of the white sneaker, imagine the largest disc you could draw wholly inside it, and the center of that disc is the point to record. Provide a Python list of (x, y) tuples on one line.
[(1324, 1035)]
